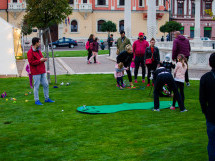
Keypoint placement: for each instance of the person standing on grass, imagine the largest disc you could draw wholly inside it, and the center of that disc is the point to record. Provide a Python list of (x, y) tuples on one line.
[(90, 40), (126, 57), (110, 42), (207, 97), (139, 48), (122, 42), (179, 76), (181, 45), (152, 53), (37, 68)]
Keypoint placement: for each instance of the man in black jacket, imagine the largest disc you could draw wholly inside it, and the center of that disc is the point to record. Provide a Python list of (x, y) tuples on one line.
[(161, 77), (207, 97)]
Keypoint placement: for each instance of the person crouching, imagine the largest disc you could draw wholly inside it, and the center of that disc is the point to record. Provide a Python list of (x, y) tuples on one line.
[(118, 74), (163, 77)]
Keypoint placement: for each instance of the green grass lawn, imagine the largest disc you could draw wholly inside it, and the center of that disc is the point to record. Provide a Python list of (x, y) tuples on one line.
[(80, 53), (30, 132)]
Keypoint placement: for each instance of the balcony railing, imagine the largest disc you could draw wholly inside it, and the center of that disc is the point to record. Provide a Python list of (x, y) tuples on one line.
[(85, 7), (190, 16), (16, 6)]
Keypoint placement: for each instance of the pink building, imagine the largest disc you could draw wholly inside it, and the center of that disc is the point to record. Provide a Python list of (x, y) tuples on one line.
[(183, 11)]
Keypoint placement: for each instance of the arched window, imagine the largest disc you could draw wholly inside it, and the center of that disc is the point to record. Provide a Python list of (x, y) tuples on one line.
[(99, 25), (121, 25), (74, 26)]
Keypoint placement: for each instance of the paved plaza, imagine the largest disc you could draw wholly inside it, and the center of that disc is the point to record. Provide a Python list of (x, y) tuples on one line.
[(78, 65)]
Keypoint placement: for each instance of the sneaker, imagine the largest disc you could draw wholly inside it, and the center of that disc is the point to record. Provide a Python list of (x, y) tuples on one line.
[(89, 62), (188, 84), (172, 108), (157, 110), (123, 85), (135, 81), (143, 81), (117, 85), (98, 62), (185, 110), (38, 103), (49, 101), (148, 85)]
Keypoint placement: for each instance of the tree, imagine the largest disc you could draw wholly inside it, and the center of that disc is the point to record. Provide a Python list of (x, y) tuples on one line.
[(43, 14), (210, 13), (108, 27), (26, 29), (163, 29), (170, 27)]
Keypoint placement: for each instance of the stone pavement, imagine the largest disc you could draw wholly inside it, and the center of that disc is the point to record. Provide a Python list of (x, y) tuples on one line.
[(78, 65)]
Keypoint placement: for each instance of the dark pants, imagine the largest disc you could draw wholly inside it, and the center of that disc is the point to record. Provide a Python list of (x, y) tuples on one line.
[(211, 140), (151, 67), (186, 74), (180, 86), (119, 81), (129, 75), (161, 80), (109, 46), (90, 53), (139, 60)]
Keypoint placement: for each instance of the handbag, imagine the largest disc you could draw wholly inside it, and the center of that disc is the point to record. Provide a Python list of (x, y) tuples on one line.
[(149, 61)]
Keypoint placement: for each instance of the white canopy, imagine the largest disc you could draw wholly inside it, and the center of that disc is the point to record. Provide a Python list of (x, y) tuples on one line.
[(7, 55)]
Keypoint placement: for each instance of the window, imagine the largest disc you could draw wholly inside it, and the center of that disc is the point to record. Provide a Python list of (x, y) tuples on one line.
[(74, 26), (207, 32), (121, 2), (101, 2), (84, 1), (193, 10), (182, 30), (71, 1), (164, 3), (157, 2), (99, 25), (180, 9), (121, 25), (141, 3), (192, 32), (14, 1), (208, 6)]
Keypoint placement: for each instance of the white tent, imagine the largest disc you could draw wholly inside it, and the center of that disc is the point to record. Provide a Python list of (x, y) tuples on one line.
[(7, 54)]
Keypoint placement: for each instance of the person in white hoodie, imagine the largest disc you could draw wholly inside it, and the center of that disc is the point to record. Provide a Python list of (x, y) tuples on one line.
[(179, 77)]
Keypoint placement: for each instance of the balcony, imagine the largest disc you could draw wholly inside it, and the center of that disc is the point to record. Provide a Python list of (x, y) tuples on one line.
[(84, 7), (16, 6)]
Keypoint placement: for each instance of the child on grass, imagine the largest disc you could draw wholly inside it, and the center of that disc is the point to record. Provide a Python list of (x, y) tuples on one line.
[(179, 77), (29, 75), (118, 74), (167, 64)]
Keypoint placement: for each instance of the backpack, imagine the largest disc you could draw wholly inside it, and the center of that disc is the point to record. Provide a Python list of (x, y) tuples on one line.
[(87, 45)]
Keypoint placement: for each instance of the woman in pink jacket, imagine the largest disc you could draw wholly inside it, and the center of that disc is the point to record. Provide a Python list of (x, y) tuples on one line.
[(179, 75)]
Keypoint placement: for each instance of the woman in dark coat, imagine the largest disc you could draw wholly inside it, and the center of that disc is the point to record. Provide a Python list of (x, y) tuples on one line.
[(126, 58), (152, 52)]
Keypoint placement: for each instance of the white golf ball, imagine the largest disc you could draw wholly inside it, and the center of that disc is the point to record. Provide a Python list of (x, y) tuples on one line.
[(62, 110)]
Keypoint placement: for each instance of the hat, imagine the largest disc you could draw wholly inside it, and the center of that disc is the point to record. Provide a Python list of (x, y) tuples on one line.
[(167, 58), (140, 34)]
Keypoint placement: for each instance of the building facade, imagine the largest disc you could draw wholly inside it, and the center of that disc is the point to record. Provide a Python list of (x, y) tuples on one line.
[(183, 11), (89, 15)]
